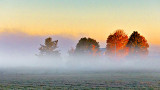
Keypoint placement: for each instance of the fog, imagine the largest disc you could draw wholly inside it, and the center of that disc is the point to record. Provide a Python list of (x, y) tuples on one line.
[(81, 63), (17, 52)]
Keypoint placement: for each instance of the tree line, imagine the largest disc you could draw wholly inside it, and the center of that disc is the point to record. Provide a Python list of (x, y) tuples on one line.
[(117, 45)]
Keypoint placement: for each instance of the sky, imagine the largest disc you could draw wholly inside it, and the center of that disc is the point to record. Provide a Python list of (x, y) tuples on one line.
[(75, 18)]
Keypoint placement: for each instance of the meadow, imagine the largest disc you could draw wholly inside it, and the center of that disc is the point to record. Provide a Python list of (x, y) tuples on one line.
[(80, 80)]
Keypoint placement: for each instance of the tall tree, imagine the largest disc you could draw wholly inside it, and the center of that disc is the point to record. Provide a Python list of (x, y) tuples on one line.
[(49, 48), (137, 44), (86, 45), (116, 44)]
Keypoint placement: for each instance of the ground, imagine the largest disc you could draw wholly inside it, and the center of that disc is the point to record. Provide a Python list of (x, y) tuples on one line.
[(110, 80)]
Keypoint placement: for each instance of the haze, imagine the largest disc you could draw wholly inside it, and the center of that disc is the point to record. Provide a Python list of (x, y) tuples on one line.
[(18, 51)]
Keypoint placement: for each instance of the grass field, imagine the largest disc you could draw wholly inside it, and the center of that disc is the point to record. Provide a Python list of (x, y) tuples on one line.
[(110, 80)]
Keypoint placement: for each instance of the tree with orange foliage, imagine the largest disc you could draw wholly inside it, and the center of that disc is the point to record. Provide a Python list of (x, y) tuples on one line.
[(116, 44), (49, 48), (85, 45), (138, 45), (94, 51)]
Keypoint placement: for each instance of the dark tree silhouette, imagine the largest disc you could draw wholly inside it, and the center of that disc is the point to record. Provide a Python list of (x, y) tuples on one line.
[(138, 45), (116, 44), (85, 45), (49, 48)]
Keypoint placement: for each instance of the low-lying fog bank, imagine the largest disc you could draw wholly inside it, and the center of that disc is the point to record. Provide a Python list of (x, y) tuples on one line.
[(76, 64)]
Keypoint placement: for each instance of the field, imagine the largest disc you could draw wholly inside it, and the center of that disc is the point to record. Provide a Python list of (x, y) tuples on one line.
[(110, 80)]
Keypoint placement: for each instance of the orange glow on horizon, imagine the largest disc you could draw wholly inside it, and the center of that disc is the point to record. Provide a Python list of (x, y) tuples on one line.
[(101, 37)]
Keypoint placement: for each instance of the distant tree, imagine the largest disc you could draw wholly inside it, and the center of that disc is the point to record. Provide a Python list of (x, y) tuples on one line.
[(116, 44), (49, 48), (137, 45), (85, 45), (71, 51), (95, 51)]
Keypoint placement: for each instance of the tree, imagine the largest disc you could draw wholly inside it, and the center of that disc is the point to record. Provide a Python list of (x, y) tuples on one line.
[(116, 44), (138, 45), (95, 51), (71, 51), (49, 48), (85, 45)]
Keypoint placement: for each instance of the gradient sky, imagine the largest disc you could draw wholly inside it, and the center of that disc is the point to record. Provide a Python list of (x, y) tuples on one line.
[(93, 18)]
